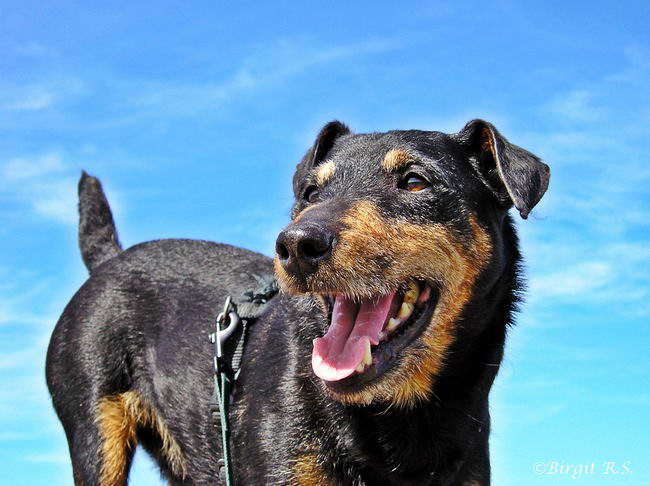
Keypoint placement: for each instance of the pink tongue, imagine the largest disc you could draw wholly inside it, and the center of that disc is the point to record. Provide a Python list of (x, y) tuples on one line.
[(341, 350)]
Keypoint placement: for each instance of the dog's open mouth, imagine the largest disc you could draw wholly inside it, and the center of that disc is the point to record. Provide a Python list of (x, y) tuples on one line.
[(365, 337)]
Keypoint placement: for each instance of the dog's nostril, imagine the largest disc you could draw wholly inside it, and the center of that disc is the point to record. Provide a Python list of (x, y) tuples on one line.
[(282, 251), (314, 248)]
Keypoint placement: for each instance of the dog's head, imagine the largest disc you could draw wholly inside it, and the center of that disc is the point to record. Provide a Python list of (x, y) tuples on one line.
[(394, 233)]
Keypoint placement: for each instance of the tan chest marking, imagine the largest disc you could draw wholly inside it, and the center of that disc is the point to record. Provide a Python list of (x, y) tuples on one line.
[(307, 471)]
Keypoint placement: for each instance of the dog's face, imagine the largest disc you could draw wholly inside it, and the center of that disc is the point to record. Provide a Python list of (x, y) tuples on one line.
[(392, 233)]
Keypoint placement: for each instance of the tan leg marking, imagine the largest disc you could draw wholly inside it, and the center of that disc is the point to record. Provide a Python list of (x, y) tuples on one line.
[(118, 418)]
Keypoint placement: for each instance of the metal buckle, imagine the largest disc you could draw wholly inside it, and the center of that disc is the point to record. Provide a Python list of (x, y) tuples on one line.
[(231, 320)]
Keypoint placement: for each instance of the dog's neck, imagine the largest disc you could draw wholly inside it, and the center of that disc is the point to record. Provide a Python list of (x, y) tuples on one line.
[(428, 443)]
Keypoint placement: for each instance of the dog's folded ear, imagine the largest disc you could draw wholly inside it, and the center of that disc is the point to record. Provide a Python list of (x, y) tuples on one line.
[(317, 154), (514, 175)]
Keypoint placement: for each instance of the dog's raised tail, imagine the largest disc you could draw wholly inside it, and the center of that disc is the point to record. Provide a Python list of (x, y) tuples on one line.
[(98, 240)]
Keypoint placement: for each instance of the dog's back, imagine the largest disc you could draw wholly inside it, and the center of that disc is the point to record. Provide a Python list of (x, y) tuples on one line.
[(112, 364)]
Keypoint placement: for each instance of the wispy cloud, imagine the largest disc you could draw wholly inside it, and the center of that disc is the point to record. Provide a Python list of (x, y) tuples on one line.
[(523, 415), (597, 205), (586, 274), (19, 359), (57, 200), (28, 49), (8, 314), (577, 105), (22, 169), (54, 457), (40, 92), (14, 436), (31, 100), (121, 99), (578, 280), (17, 295), (638, 68), (266, 67), (45, 183)]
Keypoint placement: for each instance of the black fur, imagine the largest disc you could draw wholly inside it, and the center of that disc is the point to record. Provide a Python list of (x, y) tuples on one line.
[(324, 142), (141, 321), (98, 240)]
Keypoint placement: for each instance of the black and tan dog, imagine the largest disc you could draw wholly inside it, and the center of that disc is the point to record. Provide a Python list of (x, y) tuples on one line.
[(400, 275)]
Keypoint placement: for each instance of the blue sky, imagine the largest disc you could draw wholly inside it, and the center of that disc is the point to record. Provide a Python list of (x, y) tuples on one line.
[(194, 114)]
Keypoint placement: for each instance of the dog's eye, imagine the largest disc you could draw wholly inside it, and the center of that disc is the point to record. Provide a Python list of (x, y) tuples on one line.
[(312, 194), (414, 183)]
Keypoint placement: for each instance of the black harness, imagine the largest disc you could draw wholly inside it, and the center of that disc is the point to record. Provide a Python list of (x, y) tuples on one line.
[(232, 326)]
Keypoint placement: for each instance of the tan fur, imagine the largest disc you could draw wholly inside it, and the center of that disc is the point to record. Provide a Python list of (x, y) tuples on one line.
[(374, 256), (396, 159), (118, 418), (307, 471), (324, 172), (487, 144), (118, 434)]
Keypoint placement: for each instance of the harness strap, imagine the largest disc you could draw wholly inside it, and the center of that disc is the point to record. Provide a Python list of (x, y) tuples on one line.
[(249, 307), (227, 359)]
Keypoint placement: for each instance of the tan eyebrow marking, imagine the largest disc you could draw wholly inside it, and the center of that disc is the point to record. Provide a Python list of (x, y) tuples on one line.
[(396, 159), (325, 172)]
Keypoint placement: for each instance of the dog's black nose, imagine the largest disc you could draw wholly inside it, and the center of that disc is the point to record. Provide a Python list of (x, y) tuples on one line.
[(301, 248)]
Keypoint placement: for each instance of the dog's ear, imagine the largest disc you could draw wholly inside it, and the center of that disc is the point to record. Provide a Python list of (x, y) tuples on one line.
[(317, 154), (513, 174)]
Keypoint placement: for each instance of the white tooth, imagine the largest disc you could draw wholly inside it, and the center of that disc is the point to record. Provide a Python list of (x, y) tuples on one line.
[(393, 324), (412, 293), (405, 311), (382, 336), (360, 368), (367, 357)]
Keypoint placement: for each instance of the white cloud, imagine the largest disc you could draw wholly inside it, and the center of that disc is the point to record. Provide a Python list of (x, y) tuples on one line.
[(20, 359), (537, 384), (7, 315), (578, 280), (20, 169), (582, 274), (523, 415), (16, 296), (577, 105), (14, 436), (44, 183), (592, 244), (57, 200), (54, 457), (33, 100), (638, 69), (30, 95), (30, 49), (270, 65)]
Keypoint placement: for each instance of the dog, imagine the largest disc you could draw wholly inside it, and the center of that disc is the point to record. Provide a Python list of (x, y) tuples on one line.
[(400, 274)]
